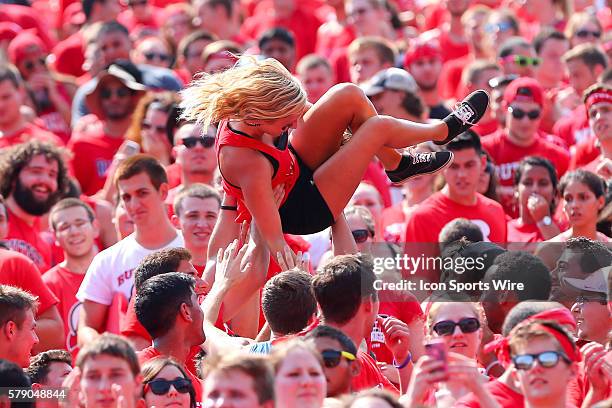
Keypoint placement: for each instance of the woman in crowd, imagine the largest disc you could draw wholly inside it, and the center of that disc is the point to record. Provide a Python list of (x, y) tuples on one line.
[(535, 183), (258, 102), (299, 377), (149, 125), (166, 384), (583, 28)]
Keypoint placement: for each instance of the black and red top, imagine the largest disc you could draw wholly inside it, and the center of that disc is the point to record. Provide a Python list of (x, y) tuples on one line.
[(286, 168)]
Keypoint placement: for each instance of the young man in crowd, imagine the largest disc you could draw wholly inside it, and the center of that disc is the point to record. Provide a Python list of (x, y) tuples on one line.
[(598, 102), (338, 353), (316, 75), (354, 313), (394, 92), (106, 373), (195, 154), (48, 370), (17, 325), (167, 306), (143, 187), (477, 75), (15, 127), (459, 198), (112, 101), (221, 18), (517, 56), (196, 209), (76, 229), (424, 61), (524, 103), (279, 44), (239, 380), (367, 56), (585, 63), (33, 177)]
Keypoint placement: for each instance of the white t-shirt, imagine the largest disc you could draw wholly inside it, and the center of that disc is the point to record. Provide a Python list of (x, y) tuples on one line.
[(112, 270)]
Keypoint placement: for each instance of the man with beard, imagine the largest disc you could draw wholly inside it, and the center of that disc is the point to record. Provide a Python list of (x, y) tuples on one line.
[(112, 101), (32, 178), (424, 62)]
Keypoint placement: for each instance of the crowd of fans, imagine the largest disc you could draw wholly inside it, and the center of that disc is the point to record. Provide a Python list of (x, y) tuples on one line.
[(126, 282)]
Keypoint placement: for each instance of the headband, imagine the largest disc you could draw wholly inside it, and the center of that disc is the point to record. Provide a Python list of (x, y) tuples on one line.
[(601, 95)]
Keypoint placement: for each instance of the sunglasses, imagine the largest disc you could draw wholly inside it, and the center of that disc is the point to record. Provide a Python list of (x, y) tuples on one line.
[(331, 358), (498, 28), (447, 327), (361, 235), (150, 56), (581, 300), (161, 386), (522, 61), (587, 33), (31, 65), (158, 129), (107, 93), (547, 359), (205, 141), (519, 114)]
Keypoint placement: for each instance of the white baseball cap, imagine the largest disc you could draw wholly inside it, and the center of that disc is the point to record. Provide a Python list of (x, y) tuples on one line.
[(595, 282), (391, 78)]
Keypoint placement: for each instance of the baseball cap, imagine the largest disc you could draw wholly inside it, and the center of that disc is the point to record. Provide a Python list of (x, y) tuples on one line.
[(524, 89), (391, 78), (113, 71), (420, 48), (595, 282)]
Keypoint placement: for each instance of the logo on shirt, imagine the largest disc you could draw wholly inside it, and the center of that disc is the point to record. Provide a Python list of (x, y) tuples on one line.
[(124, 277), (102, 166), (28, 250), (506, 171), (73, 324)]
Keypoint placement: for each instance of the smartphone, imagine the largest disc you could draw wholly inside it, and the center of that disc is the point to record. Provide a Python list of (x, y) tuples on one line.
[(436, 349), (130, 148)]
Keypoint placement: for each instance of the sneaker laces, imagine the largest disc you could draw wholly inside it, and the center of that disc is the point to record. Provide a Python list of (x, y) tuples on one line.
[(421, 158), (464, 113)]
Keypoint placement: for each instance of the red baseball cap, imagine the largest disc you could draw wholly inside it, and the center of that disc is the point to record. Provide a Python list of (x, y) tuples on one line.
[(419, 48), (524, 89), (22, 44)]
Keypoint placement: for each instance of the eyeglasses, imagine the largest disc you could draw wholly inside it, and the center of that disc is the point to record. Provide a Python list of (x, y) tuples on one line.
[(157, 129), (447, 327), (161, 386), (587, 33), (107, 93), (150, 56), (547, 359), (205, 141), (519, 114), (331, 358), (581, 300), (522, 61), (31, 65), (361, 235)]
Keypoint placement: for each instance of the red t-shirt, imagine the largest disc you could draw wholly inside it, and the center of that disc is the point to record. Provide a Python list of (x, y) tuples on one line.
[(27, 133), (26, 18), (70, 55), (19, 271), (486, 128), (450, 76), (26, 239), (585, 153), (505, 396), (370, 375), (425, 223), (301, 23), (333, 36), (574, 128), (65, 284), (450, 49), (375, 175), (93, 154), (150, 353), (507, 155), (127, 18), (519, 232)]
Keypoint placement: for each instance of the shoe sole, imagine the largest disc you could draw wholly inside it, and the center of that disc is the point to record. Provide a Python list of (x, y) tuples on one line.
[(400, 183)]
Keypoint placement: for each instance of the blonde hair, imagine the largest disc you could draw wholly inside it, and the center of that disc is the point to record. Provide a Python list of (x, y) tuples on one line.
[(256, 90), (432, 313)]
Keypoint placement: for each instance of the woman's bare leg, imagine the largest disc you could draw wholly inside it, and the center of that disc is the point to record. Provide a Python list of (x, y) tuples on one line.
[(319, 136), (338, 177)]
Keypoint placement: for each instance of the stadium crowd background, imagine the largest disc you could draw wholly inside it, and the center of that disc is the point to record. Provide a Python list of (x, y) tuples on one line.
[(108, 200)]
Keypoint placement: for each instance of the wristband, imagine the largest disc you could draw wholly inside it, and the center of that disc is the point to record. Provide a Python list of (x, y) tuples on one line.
[(229, 207), (491, 365), (407, 361)]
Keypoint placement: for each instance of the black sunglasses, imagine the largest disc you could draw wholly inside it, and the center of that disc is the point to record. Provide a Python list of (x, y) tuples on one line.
[(361, 235), (30, 65), (331, 358), (547, 359), (161, 386), (447, 327), (591, 299), (205, 141), (150, 56), (107, 93), (586, 33), (158, 129), (519, 114)]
